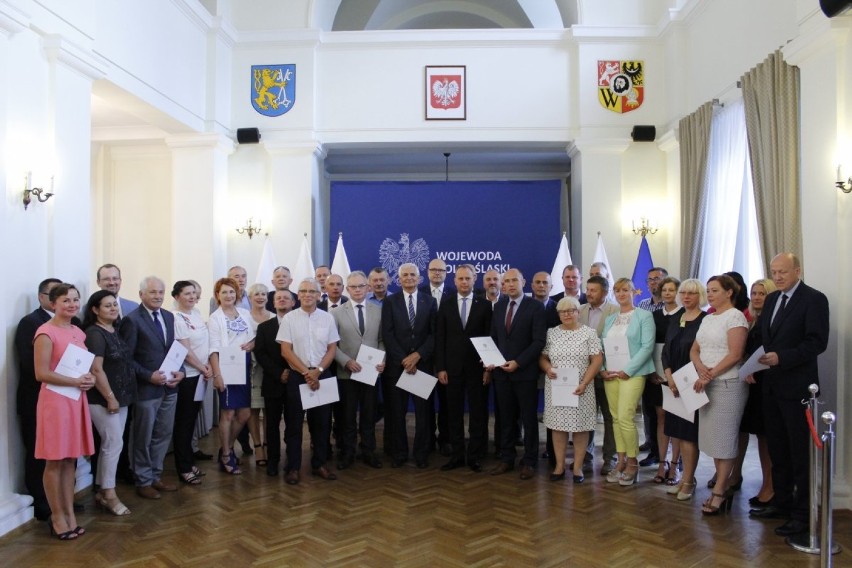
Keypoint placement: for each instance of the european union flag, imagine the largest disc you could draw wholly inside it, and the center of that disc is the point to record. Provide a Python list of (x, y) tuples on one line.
[(640, 272)]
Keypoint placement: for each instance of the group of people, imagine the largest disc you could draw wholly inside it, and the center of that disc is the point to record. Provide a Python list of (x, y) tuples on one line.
[(265, 351)]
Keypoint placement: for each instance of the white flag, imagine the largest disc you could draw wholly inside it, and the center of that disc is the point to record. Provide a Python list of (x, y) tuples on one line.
[(563, 259), (600, 256), (340, 266), (304, 267), (267, 264)]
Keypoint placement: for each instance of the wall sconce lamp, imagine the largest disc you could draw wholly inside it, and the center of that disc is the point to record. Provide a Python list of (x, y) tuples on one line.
[(250, 229), (844, 186), (40, 194), (645, 228)]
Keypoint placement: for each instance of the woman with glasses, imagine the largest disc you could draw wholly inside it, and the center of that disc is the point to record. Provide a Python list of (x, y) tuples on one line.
[(570, 345)]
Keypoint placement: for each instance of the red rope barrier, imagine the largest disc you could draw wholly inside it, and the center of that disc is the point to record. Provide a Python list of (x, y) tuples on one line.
[(809, 415)]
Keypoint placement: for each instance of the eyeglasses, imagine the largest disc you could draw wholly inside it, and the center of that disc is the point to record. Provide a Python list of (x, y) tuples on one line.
[(308, 292), (437, 270), (571, 311), (655, 278)]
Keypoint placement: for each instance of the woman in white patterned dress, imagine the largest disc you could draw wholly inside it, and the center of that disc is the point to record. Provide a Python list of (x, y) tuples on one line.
[(570, 344), (716, 354)]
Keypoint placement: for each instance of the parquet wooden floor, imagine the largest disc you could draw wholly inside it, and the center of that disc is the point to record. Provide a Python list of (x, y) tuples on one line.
[(409, 517)]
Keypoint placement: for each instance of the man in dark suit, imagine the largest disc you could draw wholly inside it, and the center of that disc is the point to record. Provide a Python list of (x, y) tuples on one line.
[(793, 330), (408, 330), (276, 373), (149, 331), (437, 288), (27, 395), (519, 330), (281, 280), (461, 317), (334, 294), (359, 322), (572, 278)]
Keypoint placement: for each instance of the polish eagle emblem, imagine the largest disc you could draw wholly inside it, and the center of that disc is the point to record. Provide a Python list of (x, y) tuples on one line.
[(445, 92), (393, 254)]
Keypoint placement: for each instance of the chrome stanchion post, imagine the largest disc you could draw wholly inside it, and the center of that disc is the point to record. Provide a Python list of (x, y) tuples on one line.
[(826, 521), (810, 543)]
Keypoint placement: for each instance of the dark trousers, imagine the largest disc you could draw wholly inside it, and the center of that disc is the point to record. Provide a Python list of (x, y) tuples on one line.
[(440, 417), (387, 389), (186, 413), (273, 410), (355, 395), (33, 468), (787, 435), (516, 398), (422, 429), (649, 418), (608, 449), (458, 387), (319, 419)]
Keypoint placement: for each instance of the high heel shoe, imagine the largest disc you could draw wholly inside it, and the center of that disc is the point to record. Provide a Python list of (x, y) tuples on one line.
[(113, 506), (710, 510), (615, 474), (630, 475), (67, 535), (683, 495), (230, 465), (666, 467), (260, 461)]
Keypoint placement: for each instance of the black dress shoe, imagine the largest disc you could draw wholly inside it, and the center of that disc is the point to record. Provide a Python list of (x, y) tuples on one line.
[(792, 527), (454, 463), (587, 466), (475, 466), (557, 476), (756, 503), (446, 450), (345, 463), (372, 461), (645, 447), (649, 461), (422, 464), (397, 463), (770, 512), (201, 456)]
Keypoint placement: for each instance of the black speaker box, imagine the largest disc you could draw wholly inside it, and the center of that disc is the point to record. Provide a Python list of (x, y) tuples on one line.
[(643, 133), (248, 135), (833, 8)]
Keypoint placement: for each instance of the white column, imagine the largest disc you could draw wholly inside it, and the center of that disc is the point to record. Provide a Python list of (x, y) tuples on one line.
[(199, 204), (295, 198), (596, 202)]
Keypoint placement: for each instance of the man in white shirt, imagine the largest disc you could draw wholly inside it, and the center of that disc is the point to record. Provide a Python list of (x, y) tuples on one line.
[(308, 339)]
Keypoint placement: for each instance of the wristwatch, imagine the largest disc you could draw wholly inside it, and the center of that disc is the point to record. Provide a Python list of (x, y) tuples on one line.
[(320, 369)]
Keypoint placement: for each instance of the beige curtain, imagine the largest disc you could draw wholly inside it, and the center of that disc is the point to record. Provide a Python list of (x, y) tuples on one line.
[(694, 137), (771, 97)]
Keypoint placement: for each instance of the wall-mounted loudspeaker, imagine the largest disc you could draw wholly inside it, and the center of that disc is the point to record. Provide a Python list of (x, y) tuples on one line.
[(833, 8), (248, 135), (643, 133)]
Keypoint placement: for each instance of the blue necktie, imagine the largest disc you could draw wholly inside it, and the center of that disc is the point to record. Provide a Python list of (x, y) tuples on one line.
[(360, 318), (464, 313), (159, 325), (410, 311)]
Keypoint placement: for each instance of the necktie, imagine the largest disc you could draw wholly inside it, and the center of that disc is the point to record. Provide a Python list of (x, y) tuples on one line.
[(410, 311), (159, 324), (324, 297), (781, 307), (464, 313), (360, 318), (509, 316)]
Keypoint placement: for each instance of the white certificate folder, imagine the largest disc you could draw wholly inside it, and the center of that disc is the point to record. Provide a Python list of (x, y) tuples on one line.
[(563, 386), (327, 393)]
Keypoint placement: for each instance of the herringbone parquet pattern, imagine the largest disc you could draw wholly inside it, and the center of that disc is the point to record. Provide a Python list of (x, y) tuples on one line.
[(410, 517)]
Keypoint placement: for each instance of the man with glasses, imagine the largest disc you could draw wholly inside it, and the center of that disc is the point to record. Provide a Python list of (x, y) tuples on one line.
[(655, 302)]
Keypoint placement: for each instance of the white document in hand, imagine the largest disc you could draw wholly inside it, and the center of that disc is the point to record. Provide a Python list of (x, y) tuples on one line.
[(327, 393), (174, 359), (232, 365), (419, 384), (200, 389), (751, 366), (488, 352), (674, 404), (563, 386), (74, 363), (617, 353), (368, 357), (685, 378)]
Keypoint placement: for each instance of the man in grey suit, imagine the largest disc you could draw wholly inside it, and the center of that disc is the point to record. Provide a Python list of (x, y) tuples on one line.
[(594, 314), (149, 331), (359, 322), (109, 278)]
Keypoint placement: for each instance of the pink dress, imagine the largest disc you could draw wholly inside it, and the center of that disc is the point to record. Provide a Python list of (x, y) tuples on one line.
[(63, 425)]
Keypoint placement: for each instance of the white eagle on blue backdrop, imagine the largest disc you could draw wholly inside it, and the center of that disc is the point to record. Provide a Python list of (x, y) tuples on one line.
[(393, 255)]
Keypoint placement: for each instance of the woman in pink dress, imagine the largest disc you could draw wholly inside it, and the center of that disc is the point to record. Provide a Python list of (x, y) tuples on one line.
[(63, 428)]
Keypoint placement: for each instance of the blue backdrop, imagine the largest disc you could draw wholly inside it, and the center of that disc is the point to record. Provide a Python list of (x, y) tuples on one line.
[(487, 224)]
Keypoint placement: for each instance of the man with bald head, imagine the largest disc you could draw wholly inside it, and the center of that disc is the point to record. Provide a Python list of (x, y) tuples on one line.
[(793, 330), (519, 329)]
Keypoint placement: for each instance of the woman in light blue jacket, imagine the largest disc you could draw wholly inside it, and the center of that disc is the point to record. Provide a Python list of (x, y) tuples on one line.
[(624, 382)]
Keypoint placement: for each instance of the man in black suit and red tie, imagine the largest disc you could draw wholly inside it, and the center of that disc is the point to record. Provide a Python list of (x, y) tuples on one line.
[(27, 395), (519, 330), (461, 317), (793, 330), (408, 330)]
